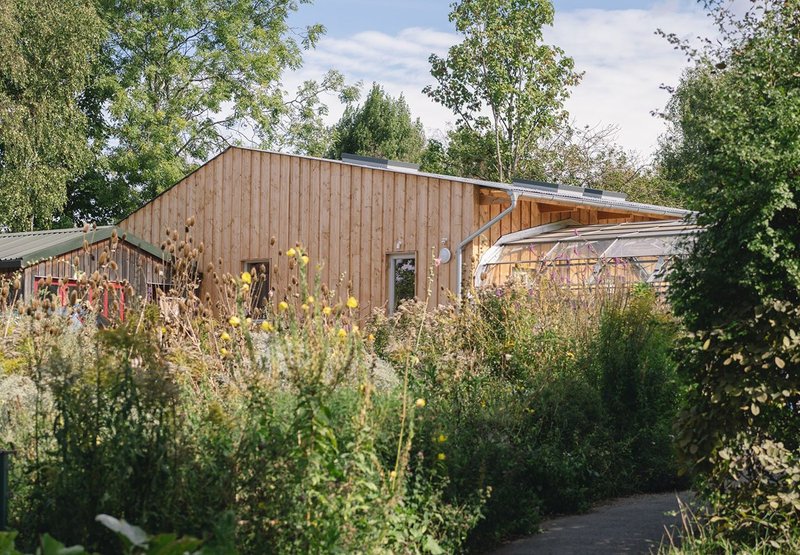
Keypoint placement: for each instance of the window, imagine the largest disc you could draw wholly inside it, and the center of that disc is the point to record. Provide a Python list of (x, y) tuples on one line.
[(112, 299), (259, 288), (402, 279)]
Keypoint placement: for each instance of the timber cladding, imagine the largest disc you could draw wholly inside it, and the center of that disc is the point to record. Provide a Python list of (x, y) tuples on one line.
[(140, 269), (350, 218)]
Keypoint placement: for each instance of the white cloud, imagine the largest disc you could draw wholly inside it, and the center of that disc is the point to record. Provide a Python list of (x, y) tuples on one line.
[(624, 61)]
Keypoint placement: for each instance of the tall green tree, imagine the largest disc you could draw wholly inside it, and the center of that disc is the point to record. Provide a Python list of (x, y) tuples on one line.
[(590, 157), (734, 149), (580, 156), (45, 51), (380, 127), (179, 80), (501, 80)]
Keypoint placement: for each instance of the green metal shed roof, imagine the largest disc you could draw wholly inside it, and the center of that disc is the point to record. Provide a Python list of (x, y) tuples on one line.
[(18, 250)]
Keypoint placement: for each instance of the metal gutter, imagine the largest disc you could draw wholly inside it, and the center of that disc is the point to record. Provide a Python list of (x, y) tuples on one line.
[(514, 195), (623, 206)]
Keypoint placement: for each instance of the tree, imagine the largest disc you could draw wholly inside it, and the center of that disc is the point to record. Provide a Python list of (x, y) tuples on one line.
[(501, 81), (381, 127), (589, 157), (734, 149), (45, 52), (580, 156), (179, 80)]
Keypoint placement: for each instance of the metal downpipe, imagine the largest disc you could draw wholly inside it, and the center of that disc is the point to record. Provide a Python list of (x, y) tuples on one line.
[(514, 195)]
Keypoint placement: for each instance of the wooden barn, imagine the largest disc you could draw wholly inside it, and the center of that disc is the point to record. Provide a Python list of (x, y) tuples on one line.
[(56, 260), (384, 226)]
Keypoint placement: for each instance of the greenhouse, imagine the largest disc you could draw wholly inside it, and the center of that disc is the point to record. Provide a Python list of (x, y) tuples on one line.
[(579, 255)]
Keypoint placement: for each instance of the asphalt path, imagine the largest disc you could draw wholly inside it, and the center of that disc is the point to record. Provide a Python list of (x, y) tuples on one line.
[(638, 524)]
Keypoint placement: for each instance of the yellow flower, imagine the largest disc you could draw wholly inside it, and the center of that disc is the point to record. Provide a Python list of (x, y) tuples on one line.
[(291, 252), (310, 299), (342, 333), (245, 288), (393, 475), (570, 354), (327, 311), (163, 329), (283, 305), (352, 302), (234, 321), (441, 456), (225, 336), (247, 278), (304, 307), (267, 327), (442, 438), (304, 259), (223, 351), (370, 338), (420, 403)]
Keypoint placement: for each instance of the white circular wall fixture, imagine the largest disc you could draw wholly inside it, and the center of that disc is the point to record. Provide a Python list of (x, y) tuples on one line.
[(444, 255)]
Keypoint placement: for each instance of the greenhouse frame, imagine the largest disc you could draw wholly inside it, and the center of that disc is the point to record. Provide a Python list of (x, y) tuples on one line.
[(577, 255)]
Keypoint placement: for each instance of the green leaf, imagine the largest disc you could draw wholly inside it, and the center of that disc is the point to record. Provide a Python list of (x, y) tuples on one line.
[(432, 546), (7, 543), (133, 534), (50, 546)]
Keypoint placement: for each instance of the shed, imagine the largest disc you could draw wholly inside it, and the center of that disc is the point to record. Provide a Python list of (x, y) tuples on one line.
[(56, 259)]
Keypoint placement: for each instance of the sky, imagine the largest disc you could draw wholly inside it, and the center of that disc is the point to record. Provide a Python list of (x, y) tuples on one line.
[(613, 41)]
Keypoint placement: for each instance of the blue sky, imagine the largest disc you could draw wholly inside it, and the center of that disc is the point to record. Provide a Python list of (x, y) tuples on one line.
[(612, 41), (342, 17)]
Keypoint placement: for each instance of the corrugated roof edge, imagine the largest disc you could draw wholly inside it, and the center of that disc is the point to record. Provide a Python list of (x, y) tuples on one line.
[(73, 242), (652, 209)]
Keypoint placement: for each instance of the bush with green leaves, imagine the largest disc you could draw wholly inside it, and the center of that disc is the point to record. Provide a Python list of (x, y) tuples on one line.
[(257, 437), (734, 151), (552, 398)]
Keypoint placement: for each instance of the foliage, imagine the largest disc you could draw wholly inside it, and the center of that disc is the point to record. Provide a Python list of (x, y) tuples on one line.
[(584, 157), (42, 129), (739, 290), (502, 68), (135, 540), (526, 396), (265, 437), (589, 157), (381, 127), (179, 81)]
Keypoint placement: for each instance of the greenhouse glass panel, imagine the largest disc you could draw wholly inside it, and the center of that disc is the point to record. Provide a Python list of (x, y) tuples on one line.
[(601, 254)]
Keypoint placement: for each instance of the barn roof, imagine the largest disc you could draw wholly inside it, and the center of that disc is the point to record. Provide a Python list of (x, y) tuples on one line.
[(18, 250)]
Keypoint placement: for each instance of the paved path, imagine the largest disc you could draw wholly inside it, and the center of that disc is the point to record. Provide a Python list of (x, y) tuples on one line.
[(630, 525)]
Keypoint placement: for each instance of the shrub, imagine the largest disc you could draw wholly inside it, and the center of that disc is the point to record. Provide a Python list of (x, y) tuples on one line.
[(553, 398), (262, 437)]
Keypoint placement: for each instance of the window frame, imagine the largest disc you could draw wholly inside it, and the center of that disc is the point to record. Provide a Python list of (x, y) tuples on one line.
[(390, 263), (62, 293), (249, 263)]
